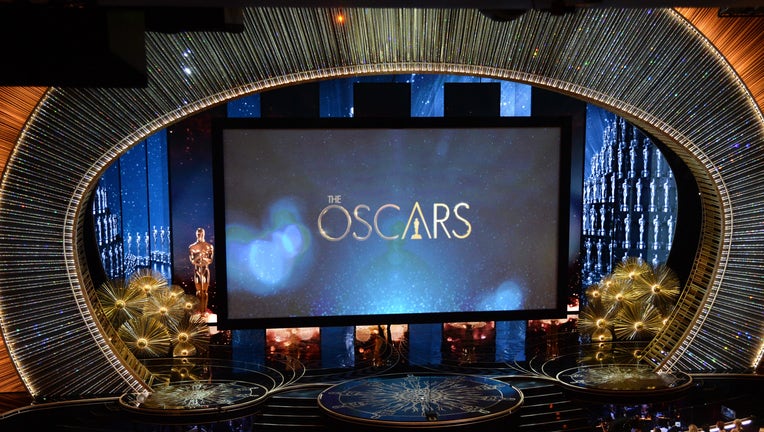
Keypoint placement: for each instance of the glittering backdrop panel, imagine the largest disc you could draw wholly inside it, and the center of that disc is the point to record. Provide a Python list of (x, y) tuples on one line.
[(648, 65)]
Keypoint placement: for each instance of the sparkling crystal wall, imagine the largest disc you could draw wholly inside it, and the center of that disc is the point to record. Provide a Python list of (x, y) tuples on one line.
[(650, 66)]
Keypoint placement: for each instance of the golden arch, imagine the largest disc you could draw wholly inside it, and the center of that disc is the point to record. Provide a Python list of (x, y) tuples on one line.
[(652, 68)]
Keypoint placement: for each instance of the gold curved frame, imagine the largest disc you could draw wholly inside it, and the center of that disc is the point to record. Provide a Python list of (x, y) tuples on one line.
[(651, 67)]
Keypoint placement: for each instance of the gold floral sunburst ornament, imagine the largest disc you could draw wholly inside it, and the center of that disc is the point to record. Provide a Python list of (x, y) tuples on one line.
[(594, 293), (165, 307), (638, 321), (146, 337), (147, 280), (617, 297), (606, 283), (191, 336), (120, 302), (630, 303), (155, 319), (190, 303), (184, 349), (602, 335), (630, 269), (176, 291), (660, 287), (593, 318)]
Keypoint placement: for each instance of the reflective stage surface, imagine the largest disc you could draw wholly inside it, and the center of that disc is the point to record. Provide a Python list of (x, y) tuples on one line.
[(564, 389), (420, 400), (624, 379)]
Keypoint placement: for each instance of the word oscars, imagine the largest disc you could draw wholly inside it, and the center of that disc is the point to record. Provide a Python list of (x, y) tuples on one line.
[(450, 221)]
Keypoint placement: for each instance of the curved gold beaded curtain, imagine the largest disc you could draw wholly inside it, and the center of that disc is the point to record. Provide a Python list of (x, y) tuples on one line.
[(649, 66)]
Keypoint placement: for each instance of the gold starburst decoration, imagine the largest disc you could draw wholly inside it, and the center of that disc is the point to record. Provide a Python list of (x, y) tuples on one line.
[(190, 336), (176, 291), (660, 287), (594, 293), (606, 283), (165, 307), (146, 337), (638, 321), (190, 303), (184, 349), (630, 303), (120, 302), (602, 335), (593, 318), (147, 280), (618, 296), (630, 269)]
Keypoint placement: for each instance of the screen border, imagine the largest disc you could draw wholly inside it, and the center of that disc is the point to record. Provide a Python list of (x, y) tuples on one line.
[(571, 178)]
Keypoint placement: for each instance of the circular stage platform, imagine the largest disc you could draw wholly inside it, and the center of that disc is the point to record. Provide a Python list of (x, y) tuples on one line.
[(191, 390), (420, 401), (624, 381), (194, 400)]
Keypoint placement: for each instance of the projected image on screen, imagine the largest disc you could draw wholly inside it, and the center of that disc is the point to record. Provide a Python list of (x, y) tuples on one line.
[(367, 223)]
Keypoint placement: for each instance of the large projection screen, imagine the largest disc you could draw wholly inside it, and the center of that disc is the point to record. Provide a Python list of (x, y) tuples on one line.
[(365, 221)]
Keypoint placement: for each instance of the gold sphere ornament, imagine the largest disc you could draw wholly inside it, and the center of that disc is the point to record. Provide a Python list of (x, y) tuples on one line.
[(630, 269), (145, 337), (147, 280), (662, 288), (120, 302), (165, 307), (190, 303), (594, 293), (191, 333), (602, 335), (592, 318), (639, 321), (184, 350)]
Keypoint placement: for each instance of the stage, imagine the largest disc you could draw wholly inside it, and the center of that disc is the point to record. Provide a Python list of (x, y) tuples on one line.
[(568, 391), (421, 401)]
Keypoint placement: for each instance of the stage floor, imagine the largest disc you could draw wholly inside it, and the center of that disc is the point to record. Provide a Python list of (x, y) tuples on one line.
[(564, 392), (421, 401)]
